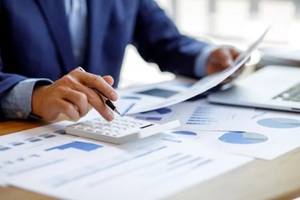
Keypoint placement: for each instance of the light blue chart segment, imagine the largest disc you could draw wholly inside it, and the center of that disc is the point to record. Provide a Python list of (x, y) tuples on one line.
[(83, 146), (189, 133), (241, 137), (279, 123)]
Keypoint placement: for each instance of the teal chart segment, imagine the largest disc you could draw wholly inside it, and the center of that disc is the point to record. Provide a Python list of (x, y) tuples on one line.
[(279, 123), (241, 137)]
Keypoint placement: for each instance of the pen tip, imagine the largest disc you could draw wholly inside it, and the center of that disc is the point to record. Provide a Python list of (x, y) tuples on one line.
[(117, 112)]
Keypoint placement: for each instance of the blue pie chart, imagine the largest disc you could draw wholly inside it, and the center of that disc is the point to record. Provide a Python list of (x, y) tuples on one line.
[(241, 137), (279, 123)]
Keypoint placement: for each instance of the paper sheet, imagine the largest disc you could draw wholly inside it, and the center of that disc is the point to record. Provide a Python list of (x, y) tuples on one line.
[(261, 145), (148, 171), (163, 97), (27, 150), (260, 133), (48, 161), (200, 115), (245, 131)]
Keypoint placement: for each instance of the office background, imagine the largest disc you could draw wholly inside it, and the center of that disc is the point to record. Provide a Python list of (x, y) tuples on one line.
[(232, 22), (229, 22)]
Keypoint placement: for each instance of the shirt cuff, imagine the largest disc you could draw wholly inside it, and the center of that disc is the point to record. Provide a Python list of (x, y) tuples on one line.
[(201, 61), (16, 103)]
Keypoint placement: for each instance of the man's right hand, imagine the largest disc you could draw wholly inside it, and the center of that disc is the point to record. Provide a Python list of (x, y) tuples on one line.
[(72, 94)]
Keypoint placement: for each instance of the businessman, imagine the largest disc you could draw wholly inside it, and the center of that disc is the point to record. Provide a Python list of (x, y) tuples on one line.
[(43, 41)]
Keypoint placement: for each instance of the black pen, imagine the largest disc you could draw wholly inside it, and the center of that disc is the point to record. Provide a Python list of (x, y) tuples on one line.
[(103, 97)]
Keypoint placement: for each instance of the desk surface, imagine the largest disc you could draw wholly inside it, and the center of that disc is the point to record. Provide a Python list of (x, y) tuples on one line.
[(260, 179)]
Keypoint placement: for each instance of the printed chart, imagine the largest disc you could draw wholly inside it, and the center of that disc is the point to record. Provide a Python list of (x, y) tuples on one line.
[(154, 115), (281, 123), (83, 146), (240, 137), (189, 133)]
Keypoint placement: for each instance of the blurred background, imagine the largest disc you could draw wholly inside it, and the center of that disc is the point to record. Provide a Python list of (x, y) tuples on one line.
[(233, 22)]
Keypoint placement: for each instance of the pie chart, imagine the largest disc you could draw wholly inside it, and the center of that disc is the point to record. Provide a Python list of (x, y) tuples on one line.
[(279, 123), (241, 137)]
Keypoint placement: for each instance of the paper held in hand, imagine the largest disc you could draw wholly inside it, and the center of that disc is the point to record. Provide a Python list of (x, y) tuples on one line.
[(197, 88)]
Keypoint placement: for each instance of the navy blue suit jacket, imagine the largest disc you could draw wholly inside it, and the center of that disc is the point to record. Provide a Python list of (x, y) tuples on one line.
[(35, 40)]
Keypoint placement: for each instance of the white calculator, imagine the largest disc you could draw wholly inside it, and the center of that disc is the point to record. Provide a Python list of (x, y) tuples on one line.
[(121, 130)]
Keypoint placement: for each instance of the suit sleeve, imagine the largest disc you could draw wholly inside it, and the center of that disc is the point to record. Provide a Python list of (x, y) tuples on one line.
[(7, 82), (158, 40)]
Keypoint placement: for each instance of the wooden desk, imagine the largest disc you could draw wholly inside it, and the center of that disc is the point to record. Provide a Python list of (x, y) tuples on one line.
[(276, 179)]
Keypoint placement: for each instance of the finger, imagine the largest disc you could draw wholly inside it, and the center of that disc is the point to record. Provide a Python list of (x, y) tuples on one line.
[(234, 53), (67, 89), (219, 60), (96, 102), (78, 99), (105, 112), (109, 79), (225, 58), (92, 80), (105, 88), (75, 82), (70, 102), (68, 109)]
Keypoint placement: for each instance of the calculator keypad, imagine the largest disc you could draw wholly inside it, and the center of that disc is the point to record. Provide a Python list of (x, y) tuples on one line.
[(121, 130), (119, 126)]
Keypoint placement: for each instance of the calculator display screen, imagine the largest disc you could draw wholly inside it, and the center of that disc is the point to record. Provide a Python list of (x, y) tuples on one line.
[(158, 92)]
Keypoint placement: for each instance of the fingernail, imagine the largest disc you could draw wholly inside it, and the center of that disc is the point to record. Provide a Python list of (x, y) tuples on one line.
[(75, 119), (110, 116), (114, 96)]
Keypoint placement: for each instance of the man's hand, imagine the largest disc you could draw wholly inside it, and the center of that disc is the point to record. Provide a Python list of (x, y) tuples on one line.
[(71, 95), (220, 59)]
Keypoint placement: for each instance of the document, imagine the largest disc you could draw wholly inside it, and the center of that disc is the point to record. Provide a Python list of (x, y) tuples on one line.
[(29, 150), (166, 96), (25, 150), (250, 132), (200, 115), (259, 145), (48, 161)]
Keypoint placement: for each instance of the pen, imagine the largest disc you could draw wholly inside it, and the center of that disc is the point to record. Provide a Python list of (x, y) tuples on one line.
[(103, 97)]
